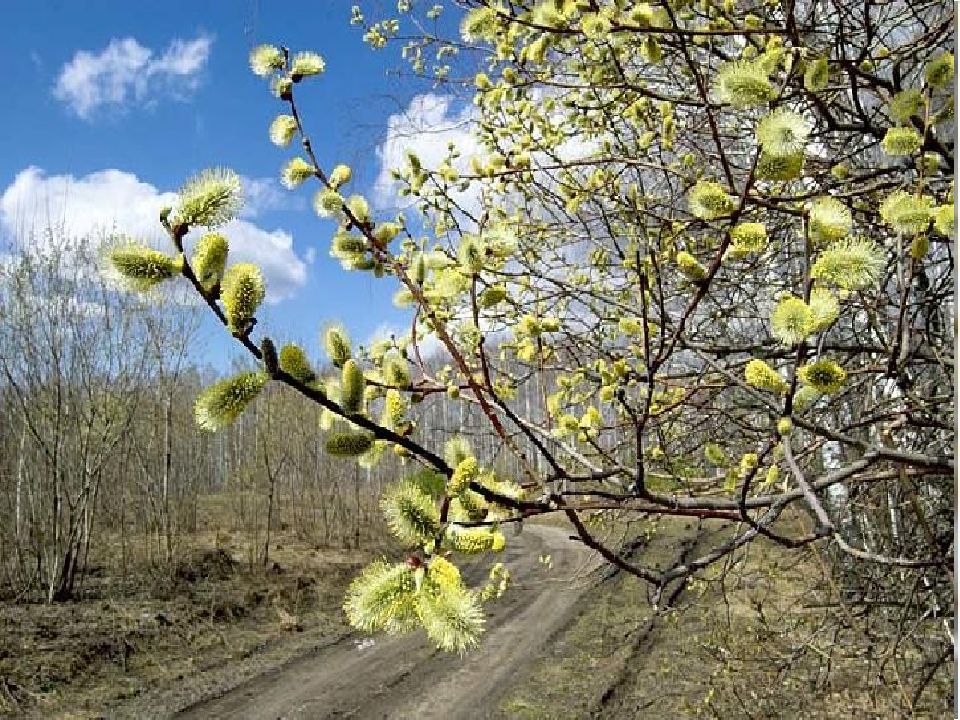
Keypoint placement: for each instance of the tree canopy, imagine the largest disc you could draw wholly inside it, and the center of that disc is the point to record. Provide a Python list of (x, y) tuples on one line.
[(714, 239)]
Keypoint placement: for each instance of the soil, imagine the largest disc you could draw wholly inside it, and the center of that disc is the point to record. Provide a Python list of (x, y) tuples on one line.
[(404, 677), (146, 644), (571, 638)]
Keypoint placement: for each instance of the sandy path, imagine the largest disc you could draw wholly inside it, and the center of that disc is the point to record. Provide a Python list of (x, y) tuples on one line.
[(406, 677)]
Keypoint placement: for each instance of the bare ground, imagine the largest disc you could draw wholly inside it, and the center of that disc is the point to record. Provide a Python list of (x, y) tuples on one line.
[(146, 644), (406, 677), (561, 643)]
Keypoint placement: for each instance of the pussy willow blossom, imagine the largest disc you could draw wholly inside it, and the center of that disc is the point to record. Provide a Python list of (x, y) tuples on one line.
[(901, 141), (743, 84), (824, 309), (142, 268), (783, 133), (394, 409), (222, 403), (443, 573), (473, 540), (630, 326), (779, 168), (762, 376), (266, 59), (296, 172), (307, 63), (492, 296), (209, 259), (480, 23), (210, 199), (293, 361), (850, 264), (771, 476), (396, 371), (282, 130), (939, 71), (352, 384), (944, 220), (348, 443), (340, 175), (471, 253), (830, 219), (359, 208), (805, 398), (466, 471), (749, 237), (709, 200), (347, 247), (411, 513), (747, 463), (456, 450), (381, 592), (791, 321), (468, 506), (336, 342), (824, 376), (906, 214), (690, 267), (905, 104), (384, 232), (328, 203), (242, 291), (452, 618), (281, 86), (817, 74), (551, 15)]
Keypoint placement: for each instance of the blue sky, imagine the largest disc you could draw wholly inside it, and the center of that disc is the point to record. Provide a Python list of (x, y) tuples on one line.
[(154, 92)]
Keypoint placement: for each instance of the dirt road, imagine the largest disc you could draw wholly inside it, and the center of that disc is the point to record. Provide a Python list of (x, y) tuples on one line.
[(405, 677)]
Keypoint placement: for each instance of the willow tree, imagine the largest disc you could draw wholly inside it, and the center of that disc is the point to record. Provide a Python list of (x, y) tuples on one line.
[(714, 237)]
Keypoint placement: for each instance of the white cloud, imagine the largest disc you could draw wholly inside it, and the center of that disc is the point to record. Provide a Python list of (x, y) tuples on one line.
[(182, 57), (429, 124), (265, 194), (126, 72), (113, 201)]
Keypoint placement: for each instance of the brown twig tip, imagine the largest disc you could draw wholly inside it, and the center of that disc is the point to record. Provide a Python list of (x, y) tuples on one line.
[(270, 362)]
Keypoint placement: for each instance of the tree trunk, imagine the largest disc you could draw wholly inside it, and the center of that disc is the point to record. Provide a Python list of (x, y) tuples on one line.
[(167, 465)]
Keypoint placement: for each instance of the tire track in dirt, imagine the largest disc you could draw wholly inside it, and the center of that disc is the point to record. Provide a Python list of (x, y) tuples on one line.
[(403, 677)]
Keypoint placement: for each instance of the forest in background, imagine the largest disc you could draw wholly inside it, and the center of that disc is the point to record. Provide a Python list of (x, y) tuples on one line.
[(102, 461)]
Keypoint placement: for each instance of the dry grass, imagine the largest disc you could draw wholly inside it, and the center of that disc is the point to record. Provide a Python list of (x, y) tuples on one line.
[(748, 639), (163, 628)]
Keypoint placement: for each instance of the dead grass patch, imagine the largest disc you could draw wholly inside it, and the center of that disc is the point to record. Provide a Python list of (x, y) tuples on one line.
[(158, 629)]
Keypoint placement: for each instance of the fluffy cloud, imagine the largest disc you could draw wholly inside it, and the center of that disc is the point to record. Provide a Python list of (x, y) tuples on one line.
[(126, 72), (112, 201), (265, 194), (429, 124)]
